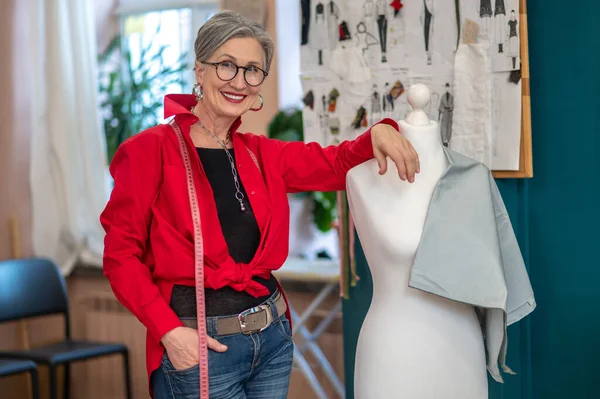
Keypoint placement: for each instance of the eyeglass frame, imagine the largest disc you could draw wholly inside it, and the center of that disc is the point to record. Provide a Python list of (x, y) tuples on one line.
[(237, 70)]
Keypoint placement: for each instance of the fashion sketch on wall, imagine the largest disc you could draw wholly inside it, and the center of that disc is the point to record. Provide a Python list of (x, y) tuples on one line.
[(329, 122), (321, 112), (320, 27), (445, 110), (380, 31), (427, 23), (305, 10), (513, 41), (382, 27), (376, 105), (430, 108), (485, 16), (364, 38), (500, 24), (504, 43), (356, 57)]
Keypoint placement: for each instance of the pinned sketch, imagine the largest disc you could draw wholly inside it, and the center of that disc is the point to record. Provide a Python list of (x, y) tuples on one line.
[(431, 35), (445, 111), (322, 114), (498, 23), (384, 100), (485, 15), (387, 98), (427, 24), (395, 41), (382, 8), (513, 42), (320, 32), (364, 38)]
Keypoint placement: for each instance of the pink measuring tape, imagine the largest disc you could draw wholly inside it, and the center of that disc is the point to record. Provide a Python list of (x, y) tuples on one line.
[(198, 264)]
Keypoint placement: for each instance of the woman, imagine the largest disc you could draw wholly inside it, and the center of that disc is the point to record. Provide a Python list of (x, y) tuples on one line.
[(242, 182)]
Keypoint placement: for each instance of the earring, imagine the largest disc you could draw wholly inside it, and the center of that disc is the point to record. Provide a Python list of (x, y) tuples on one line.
[(262, 103), (197, 91)]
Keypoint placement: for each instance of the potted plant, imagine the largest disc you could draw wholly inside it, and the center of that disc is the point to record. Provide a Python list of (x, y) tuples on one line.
[(131, 96), (287, 126), (312, 214)]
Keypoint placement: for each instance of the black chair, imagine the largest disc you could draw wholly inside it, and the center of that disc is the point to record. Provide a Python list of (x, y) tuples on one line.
[(35, 287), (16, 366)]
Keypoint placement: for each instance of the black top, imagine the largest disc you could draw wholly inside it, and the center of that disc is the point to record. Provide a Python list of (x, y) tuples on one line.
[(241, 234)]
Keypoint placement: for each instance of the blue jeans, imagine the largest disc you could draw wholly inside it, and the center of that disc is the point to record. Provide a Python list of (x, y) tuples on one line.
[(255, 366)]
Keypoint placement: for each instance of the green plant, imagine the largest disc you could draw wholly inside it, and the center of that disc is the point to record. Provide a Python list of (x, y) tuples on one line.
[(132, 95), (287, 126)]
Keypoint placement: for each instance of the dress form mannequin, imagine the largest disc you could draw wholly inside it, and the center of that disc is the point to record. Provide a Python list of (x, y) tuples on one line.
[(412, 344)]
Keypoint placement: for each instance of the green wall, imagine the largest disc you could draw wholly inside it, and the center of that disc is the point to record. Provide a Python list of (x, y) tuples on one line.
[(556, 350)]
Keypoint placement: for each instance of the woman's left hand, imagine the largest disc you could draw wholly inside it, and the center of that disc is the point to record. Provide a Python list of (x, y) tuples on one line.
[(387, 142)]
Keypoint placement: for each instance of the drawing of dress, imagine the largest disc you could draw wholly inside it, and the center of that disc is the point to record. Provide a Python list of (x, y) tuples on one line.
[(369, 15), (426, 20), (485, 13), (319, 35), (364, 39), (499, 8), (324, 119), (333, 96), (309, 99), (513, 42), (500, 24), (305, 6), (445, 110), (485, 8), (375, 105), (333, 15), (382, 27)]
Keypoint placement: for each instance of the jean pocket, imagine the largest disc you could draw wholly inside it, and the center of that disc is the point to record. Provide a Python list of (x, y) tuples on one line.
[(170, 369), (284, 328)]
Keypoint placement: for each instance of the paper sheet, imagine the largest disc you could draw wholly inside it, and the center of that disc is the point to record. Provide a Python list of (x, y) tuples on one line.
[(506, 120), (506, 96)]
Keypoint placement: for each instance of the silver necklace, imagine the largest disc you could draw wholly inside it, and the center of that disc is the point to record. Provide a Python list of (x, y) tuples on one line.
[(238, 193)]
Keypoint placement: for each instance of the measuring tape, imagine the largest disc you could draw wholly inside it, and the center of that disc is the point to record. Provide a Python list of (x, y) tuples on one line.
[(199, 265)]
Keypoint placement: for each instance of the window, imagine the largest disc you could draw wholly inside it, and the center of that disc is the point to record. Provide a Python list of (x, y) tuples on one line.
[(159, 36), (288, 48)]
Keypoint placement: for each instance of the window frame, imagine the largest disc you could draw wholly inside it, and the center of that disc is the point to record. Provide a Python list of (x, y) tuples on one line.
[(200, 11)]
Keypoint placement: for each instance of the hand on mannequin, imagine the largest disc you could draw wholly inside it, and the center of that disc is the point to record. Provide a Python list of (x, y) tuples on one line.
[(181, 345), (387, 142)]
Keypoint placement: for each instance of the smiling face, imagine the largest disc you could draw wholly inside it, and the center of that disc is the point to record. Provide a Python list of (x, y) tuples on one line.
[(234, 97)]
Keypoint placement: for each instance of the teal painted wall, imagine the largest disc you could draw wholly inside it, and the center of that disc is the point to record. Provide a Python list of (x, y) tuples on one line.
[(564, 197), (556, 350)]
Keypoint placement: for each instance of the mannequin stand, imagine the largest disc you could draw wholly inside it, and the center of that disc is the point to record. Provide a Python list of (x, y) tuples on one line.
[(412, 344)]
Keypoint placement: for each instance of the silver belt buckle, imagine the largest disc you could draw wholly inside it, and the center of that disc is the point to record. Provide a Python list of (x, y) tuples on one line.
[(242, 318)]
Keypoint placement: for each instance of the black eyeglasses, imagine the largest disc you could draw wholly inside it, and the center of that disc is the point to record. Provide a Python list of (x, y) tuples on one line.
[(227, 70)]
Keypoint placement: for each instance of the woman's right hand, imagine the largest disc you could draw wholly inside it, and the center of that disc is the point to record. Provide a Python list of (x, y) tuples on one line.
[(181, 345)]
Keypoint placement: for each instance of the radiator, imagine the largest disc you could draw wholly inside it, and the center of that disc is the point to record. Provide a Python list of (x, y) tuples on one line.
[(99, 317)]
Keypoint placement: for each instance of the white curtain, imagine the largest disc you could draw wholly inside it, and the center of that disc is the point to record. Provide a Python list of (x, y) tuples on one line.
[(68, 149)]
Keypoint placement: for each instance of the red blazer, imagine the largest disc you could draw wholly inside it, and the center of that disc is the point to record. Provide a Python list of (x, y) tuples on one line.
[(148, 224)]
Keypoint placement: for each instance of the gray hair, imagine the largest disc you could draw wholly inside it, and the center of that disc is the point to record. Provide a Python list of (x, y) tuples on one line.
[(227, 25)]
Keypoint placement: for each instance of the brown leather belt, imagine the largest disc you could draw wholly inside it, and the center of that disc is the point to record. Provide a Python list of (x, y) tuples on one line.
[(249, 321)]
